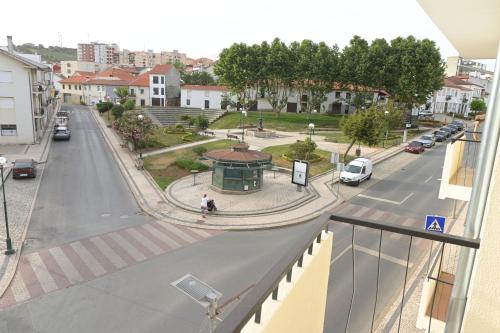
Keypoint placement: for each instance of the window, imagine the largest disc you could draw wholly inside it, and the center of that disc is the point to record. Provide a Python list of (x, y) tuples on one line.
[(68, 71), (337, 94), (69, 86), (188, 101), (155, 79), (155, 91), (8, 130), (64, 87), (348, 96), (5, 76), (79, 87), (132, 92), (163, 91), (162, 80), (142, 91), (69, 64), (6, 103)]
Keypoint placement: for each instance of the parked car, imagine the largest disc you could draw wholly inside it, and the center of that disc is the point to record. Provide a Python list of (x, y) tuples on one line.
[(460, 125), (439, 136), (24, 168), (456, 127), (415, 147), (357, 171), (62, 133), (426, 114), (427, 140), (452, 129), (446, 130)]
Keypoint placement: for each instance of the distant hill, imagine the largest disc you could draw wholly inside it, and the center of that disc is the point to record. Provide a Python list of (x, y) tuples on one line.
[(50, 54)]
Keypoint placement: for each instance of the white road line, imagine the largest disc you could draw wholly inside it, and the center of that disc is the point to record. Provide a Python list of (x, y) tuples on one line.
[(66, 265), (383, 256), (19, 289), (177, 231), (161, 236), (360, 211), (144, 241), (340, 254), (108, 252), (89, 260), (129, 248), (42, 273), (427, 180), (378, 214), (386, 200)]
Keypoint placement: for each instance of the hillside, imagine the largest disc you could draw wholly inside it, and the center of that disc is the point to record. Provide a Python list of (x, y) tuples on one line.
[(50, 54)]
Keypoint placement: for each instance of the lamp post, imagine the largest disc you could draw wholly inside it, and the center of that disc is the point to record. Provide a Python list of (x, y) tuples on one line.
[(386, 113), (311, 130), (141, 119), (9, 250), (243, 116)]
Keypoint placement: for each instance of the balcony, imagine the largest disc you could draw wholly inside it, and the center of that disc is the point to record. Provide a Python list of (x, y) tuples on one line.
[(459, 166)]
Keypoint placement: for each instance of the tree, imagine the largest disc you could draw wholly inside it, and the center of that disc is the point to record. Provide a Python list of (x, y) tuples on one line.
[(477, 105), (354, 64), (132, 129), (122, 93), (364, 127), (104, 106), (202, 122), (117, 111), (198, 78), (129, 104)]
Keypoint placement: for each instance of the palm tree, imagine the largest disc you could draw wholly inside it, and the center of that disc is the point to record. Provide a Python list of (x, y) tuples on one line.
[(122, 93)]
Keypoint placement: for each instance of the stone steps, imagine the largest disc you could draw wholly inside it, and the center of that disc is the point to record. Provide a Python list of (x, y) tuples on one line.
[(172, 115)]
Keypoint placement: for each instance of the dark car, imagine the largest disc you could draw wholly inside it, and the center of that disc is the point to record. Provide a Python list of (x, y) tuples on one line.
[(415, 147), (459, 124), (62, 133), (24, 168), (456, 127), (452, 129), (446, 130), (439, 136)]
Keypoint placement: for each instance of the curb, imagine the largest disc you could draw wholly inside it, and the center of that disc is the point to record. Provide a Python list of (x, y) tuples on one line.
[(10, 271)]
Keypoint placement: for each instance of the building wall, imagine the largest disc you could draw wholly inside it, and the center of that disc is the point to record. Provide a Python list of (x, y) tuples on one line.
[(16, 101), (482, 313), (197, 98), (452, 66), (455, 103), (68, 68), (301, 304), (173, 83), (144, 95)]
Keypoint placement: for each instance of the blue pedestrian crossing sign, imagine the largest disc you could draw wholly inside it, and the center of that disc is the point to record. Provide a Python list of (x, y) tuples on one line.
[(435, 223)]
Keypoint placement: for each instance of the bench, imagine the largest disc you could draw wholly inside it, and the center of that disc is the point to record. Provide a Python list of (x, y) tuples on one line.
[(212, 133), (139, 164), (232, 136)]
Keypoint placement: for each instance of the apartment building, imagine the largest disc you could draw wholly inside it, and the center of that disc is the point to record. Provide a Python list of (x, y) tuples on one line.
[(455, 96), (26, 96), (163, 84), (98, 52)]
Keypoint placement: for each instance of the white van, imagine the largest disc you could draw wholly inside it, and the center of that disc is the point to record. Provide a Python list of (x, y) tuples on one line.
[(356, 171)]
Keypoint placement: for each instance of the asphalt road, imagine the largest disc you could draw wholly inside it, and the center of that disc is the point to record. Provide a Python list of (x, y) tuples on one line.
[(410, 192), (82, 192)]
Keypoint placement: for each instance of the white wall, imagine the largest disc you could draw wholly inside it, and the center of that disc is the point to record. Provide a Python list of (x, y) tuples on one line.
[(16, 101), (197, 98), (138, 95)]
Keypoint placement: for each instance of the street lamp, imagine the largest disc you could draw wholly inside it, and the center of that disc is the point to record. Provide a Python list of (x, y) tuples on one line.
[(9, 250), (242, 117), (141, 119), (311, 130), (386, 113)]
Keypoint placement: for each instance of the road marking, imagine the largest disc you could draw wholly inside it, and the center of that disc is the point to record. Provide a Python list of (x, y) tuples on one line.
[(125, 245), (42, 273), (163, 237), (360, 211), (177, 231), (108, 252), (89, 260), (427, 180), (19, 289), (340, 254), (144, 241), (439, 179), (66, 265), (383, 256), (386, 200)]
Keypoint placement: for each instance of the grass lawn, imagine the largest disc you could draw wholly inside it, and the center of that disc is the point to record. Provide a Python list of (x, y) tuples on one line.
[(394, 137), (161, 139), (161, 166), (315, 168), (290, 122)]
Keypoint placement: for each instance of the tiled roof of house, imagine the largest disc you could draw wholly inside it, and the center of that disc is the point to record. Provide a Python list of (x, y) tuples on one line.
[(460, 80), (115, 72), (161, 69), (200, 87), (75, 79), (106, 82), (452, 84), (141, 81), (350, 87), (83, 73)]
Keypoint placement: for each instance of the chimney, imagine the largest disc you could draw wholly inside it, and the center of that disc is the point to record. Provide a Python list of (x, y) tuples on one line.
[(10, 45)]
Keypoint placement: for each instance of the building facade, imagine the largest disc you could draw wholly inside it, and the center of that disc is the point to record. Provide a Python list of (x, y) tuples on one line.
[(203, 97), (455, 96), (164, 85), (98, 52)]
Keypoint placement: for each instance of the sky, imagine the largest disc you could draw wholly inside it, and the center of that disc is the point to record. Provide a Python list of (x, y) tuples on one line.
[(203, 28)]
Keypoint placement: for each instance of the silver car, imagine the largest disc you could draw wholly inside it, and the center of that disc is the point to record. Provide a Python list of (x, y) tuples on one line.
[(427, 140), (62, 133)]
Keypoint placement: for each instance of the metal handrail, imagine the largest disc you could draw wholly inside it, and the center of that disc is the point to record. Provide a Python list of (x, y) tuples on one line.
[(252, 302)]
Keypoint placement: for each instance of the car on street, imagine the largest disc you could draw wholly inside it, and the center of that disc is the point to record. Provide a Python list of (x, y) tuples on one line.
[(24, 168), (460, 124), (415, 147), (446, 130), (357, 171), (62, 133), (456, 127), (427, 140), (426, 114), (439, 136), (452, 129)]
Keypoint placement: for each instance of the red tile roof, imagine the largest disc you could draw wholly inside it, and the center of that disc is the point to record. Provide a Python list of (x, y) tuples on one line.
[(453, 84), (83, 73), (200, 87), (141, 81), (105, 82), (161, 69), (75, 79), (115, 72)]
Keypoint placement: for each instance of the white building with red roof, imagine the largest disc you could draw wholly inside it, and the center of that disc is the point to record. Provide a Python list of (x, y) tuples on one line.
[(455, 96), (203, 97), (164, 85)]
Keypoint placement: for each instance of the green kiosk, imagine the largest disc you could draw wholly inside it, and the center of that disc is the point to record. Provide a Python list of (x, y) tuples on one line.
[(238, 170)]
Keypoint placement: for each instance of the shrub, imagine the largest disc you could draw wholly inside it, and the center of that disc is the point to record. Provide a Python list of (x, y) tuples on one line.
[(188, 137), (301, 150), (129, 104), (185, 117), (104, 106), (188, 164), (179, 126), (199, 150), (117, 111), (202, 122)]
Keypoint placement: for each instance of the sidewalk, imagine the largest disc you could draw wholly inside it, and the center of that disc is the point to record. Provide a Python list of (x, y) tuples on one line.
[(157, 204), (20, 197)]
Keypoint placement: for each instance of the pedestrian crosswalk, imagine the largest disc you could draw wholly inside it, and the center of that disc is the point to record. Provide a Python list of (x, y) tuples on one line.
[(60, 267)]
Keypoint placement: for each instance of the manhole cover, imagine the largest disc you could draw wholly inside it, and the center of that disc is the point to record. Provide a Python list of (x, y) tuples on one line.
[(195, 289)]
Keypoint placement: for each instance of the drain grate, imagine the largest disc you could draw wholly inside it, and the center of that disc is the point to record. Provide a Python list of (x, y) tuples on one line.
[(196, 289)]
